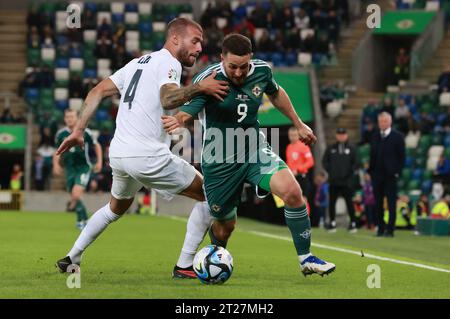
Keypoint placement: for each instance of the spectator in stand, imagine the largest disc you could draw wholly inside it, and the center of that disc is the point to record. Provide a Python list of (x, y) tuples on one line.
[(89, 20), (120, 58), (401, 69), (367, 134), (442, 172), (302, 19), (34, 39), (38, 170), (279, 42), (46, 77), (300, 161), (245, 27), (105, 28), (75, 87), (309, 6), (240, 12), (369, 201), (47, 38), (224, 11), (47, 138), (31, 80), (333, 26), (446, 121), (33, 17), (342, 9), (402, 115), (308, 44), (387, 106), (427, 123), (46, 151), (7, 116), (88, 85), (444, 81), (15, 183), (341, 163), (258, 16), (321, 197), (118, 38), (103, 49), (286, 18), (319, 20), (75, 35), (422, 206), (440, 210), (293, 39)]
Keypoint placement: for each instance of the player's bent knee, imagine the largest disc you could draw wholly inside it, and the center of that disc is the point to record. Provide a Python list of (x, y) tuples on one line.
[(120, 206), (293, 196)]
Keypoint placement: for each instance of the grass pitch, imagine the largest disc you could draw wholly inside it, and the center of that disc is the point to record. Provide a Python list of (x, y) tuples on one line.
[(135, 256)]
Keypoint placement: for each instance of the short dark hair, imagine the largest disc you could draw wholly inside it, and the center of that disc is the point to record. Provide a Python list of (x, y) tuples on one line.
[(179, 26), (237, 44)]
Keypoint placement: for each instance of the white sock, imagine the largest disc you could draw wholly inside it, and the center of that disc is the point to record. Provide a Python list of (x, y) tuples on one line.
[(303, 257), (94, 227), (197, 225)]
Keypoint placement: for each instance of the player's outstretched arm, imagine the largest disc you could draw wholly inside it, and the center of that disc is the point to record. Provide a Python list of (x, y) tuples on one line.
[(104, 89), (172, 123), (281, 101), (173, 96)]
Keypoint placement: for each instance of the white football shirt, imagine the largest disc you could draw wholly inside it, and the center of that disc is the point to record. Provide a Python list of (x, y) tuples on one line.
[(139, 131)]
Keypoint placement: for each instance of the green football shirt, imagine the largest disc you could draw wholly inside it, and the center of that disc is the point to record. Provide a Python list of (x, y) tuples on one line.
[(76, 157), (236, 118)]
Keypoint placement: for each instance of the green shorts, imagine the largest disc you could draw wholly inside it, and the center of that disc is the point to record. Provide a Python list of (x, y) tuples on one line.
[(79, 176), (223, 183)]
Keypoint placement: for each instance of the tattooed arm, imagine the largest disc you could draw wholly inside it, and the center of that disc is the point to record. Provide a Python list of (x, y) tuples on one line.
[(173, 96)]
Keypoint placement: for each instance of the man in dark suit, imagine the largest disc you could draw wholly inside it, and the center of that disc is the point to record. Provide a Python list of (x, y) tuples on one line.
[(387, 158)]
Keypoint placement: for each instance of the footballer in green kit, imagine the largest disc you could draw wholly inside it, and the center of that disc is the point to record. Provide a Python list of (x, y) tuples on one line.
[(235, 151), (77, 165)]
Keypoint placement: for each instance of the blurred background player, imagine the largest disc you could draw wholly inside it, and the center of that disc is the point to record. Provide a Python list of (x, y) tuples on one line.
[(77, 165), (224, 176)]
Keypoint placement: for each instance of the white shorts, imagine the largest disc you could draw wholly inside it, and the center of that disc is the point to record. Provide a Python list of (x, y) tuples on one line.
[(167, 174)]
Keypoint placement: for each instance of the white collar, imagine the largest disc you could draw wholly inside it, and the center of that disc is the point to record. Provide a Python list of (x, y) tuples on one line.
[(387, 132), (250, 72)]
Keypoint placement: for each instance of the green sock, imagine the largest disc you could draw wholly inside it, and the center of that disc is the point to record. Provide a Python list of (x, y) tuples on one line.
[(81, 211), (297, 220)]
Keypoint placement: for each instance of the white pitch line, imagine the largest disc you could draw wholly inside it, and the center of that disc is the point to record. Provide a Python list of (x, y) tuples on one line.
[(343, 250), (354, 252)]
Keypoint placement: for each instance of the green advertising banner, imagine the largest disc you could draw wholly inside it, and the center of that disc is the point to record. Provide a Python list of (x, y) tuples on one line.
[(298, 88), (404, 22), (13, 137)]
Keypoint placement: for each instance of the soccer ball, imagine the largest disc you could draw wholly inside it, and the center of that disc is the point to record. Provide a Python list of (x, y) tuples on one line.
[(213, 265)]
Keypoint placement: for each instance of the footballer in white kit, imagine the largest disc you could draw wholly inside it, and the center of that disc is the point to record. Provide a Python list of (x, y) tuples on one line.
[(139, 152)]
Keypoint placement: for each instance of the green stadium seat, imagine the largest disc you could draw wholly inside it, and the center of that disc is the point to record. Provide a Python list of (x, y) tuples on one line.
[(427, 175), (364, 151), (145, 18), (406, 174), (34, 56), (427, 108), (90, 62), (61, 6), (48, 7), (436, 139), (103, 6), (412, 185), (447, 152), (425, 142), (410, 152), (420, 162), (146, 45)]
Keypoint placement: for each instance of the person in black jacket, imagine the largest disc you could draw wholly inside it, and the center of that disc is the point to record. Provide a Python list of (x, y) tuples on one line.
[(341, 163), (387, 158)]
